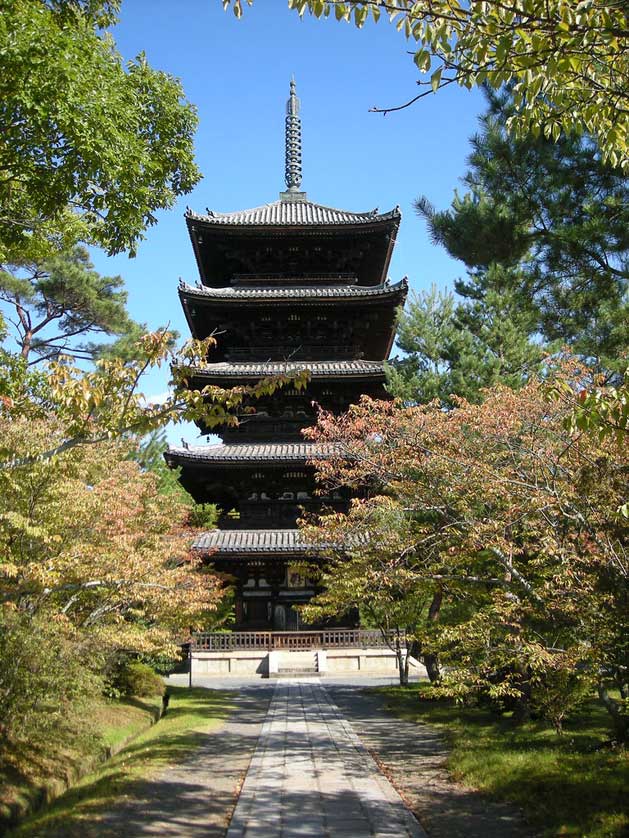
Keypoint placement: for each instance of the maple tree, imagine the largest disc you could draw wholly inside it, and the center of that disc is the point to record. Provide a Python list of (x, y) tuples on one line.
[(106, 402), (94, 547), (48, 680), (601, 409), (502, 528), (87, 536), (95, 567)]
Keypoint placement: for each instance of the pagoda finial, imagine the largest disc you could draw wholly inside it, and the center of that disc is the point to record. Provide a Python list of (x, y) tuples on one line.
[(293, 141)]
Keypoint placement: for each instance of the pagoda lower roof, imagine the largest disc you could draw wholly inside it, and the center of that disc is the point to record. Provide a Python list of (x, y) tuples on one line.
[(316, 293), (290, 213), (317, 369), (226, 542), (244, 453)]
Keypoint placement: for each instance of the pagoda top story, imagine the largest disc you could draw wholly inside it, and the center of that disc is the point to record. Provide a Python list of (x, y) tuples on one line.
[(234, 248)]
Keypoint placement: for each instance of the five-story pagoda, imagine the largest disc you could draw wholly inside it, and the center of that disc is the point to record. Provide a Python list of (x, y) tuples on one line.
[(287, 286)]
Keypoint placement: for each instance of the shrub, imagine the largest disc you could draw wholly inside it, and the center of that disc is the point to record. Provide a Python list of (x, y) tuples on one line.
[(139, 679), (560, 693), (45, 682), (163, 664)]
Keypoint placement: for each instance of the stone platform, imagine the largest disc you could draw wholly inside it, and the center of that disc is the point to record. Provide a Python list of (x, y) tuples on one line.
[(276, 662), (271, 654)]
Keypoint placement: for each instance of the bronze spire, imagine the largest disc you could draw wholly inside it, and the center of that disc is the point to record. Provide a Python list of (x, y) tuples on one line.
[(293, 142)]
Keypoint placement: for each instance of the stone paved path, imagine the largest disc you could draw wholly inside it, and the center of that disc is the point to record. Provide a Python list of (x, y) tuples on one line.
[(307, 774), (311, 776)]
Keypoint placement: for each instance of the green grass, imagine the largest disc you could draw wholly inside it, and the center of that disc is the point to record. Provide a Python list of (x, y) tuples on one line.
[(119, 721), (75, 814), (570, 785)]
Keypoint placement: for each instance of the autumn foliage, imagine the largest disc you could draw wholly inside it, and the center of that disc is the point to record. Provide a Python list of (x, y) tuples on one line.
[(494, 534), (88, 539)]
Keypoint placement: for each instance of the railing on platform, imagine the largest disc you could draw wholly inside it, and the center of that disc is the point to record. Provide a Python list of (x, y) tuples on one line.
[(296, 640)]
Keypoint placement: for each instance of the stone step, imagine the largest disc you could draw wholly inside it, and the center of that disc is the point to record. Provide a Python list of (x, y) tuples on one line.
[(293, 672), (297, 669)]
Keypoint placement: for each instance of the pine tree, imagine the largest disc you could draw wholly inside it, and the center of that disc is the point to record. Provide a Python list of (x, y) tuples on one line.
[(546, 223), (54, 304), (458, 350), (543, 231)]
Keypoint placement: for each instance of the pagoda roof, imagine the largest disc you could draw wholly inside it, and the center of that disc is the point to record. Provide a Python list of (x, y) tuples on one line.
[(307, 293), (317, 369), (293, 213), (244, 453), (252, 541)]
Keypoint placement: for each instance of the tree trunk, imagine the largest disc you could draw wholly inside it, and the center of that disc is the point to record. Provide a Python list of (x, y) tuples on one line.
[(431, 659), (431, 662), (522, 709), (25, 320), (620, 720), (522, 704), (402, 661), (27, 341)]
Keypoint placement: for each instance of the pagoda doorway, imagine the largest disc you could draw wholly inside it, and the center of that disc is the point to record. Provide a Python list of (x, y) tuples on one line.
[(285, 618)]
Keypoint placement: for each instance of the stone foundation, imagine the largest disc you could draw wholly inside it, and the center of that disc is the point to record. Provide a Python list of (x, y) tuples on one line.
[(263, 663)]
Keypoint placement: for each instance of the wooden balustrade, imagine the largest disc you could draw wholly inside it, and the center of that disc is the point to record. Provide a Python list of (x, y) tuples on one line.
[(295, 640)]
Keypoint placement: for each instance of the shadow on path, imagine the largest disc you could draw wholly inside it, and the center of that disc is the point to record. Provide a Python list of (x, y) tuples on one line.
[(414, 756), (311, 776)]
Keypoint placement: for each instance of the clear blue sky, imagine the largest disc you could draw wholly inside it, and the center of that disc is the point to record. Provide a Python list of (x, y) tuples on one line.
[(237, 74)]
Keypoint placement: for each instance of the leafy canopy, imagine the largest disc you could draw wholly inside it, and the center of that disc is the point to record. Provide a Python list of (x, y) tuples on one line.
[(106, 403), (511, 518), (90, 148), (87, 535), (48, 680), (567, 60)]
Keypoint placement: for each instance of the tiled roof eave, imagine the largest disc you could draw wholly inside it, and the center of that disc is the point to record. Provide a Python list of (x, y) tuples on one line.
[(250, 462), (328, 370), (281, 215), (300, 296), (248, 454), (219, 543)]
